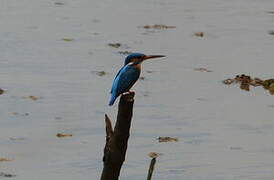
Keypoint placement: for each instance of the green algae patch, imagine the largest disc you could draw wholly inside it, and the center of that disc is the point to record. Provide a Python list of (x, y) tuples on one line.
[(268, 83)]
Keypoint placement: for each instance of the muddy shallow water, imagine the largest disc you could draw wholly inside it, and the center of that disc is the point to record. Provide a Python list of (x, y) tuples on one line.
[(224, 133)]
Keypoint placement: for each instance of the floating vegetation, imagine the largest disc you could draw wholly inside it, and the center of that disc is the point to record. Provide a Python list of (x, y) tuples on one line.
[(271, 89), (34, 98), (271, 32), (17, 114), (268, 83), (124, 52), (118, 45), (142, 78), (59, 3), (6, 175), (17, 138), (5, 160), (29, 97), (60, 135), (228, 81), (158, 26), (246, 81), (236, 148), (114, 45), (68, 39), (202, 70), (167, 139), (1, 91), (199, 34), (100, 73), (154, 154)]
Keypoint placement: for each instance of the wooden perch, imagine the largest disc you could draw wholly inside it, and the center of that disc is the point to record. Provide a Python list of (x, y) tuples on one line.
[(117, 139), (151, 168)]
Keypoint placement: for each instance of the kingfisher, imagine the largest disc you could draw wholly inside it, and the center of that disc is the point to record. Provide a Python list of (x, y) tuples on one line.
[(128, 74)]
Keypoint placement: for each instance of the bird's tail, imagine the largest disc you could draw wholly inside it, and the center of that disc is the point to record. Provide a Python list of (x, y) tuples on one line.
[(112, 100)]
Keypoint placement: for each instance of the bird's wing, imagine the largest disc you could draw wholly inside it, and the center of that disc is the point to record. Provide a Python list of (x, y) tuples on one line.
[(114, 80), (125, 79)]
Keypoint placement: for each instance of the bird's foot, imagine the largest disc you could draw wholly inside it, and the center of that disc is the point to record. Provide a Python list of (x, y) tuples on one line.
[(129, 95)]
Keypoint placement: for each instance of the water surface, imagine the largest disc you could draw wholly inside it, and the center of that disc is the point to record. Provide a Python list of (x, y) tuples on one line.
[(224, 133)]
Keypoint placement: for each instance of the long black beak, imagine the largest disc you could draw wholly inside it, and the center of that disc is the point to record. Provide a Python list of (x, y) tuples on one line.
[(153, 56)]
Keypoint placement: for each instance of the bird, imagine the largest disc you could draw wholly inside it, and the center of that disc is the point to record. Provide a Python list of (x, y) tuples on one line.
[(128, 74)]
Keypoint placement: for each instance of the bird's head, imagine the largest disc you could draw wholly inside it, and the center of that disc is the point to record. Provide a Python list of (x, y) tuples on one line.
[(139, 58)]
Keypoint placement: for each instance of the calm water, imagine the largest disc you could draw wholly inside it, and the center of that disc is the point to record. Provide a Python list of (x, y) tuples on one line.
[(224, 133)]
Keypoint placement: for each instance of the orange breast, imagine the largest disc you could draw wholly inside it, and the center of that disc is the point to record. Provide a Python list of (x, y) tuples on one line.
[(138, 66)]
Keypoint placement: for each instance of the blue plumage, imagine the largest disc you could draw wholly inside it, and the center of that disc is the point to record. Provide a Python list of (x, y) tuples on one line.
[(128, 74), (133, 56), (124, 80)]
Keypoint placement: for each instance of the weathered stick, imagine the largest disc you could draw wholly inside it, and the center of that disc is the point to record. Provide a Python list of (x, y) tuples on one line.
[(151, 168), (116, 140)]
